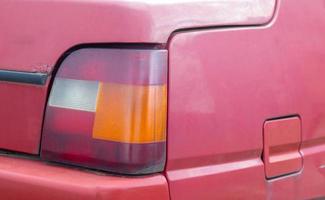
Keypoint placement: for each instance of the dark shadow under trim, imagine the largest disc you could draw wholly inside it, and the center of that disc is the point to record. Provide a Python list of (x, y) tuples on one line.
[(283, 117), (23, 77)]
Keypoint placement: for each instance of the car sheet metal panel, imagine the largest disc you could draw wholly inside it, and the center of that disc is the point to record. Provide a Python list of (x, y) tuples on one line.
[(225, 83), (39, 32)]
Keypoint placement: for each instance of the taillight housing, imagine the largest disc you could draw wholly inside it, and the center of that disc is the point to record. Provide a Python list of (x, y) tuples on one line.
[(107, 110)]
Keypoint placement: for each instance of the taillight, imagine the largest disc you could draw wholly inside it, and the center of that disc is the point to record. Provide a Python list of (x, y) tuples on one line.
[(107, 110)]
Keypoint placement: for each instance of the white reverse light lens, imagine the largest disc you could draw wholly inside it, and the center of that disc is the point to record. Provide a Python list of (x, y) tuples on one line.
[(74, 94)]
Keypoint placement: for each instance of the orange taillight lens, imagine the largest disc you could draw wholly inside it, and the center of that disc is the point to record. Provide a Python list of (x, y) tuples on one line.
[(131, 113)]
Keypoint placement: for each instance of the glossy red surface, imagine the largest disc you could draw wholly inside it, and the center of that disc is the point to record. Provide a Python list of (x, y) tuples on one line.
[(30, 180), (281, 152), (39, 32), (225, 83)]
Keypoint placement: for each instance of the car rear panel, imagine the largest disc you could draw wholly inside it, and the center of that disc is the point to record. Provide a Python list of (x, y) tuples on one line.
[(225, 83), (39, 34), (238, 84), (21, 115), (21, 178)]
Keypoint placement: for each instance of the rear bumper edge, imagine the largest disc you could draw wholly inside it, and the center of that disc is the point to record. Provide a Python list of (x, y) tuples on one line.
[(28, 179)]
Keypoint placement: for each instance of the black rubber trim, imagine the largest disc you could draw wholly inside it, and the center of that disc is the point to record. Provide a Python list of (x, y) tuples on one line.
[(23, 77)]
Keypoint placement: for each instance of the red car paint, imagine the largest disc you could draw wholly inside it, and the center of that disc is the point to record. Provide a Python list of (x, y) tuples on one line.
[(25, 179), (40, 32), (22, 108), (281, 150), (225, 83), (233, 67)]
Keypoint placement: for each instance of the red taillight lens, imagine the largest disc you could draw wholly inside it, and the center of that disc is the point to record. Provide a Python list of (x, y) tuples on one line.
[(107, 110)]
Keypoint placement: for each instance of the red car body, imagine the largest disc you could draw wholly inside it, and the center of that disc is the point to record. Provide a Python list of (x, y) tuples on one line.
[(246, 96)]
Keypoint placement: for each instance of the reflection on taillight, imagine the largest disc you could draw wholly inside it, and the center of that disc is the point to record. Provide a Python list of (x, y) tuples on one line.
[(107, 110)]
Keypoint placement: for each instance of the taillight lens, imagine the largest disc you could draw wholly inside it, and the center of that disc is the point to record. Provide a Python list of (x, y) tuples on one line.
[(107, 110)]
